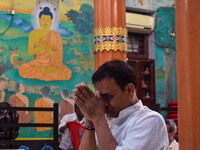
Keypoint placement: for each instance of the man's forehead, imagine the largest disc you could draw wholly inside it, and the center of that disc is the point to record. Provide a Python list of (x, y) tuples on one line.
[(102, 91), (106, 86), (104, 83)]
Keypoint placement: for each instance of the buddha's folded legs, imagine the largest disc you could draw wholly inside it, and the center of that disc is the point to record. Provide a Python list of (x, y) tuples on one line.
[(33, 70)]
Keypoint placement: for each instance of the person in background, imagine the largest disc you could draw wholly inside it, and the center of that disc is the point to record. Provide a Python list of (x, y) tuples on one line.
[(128, 125), (20, 100), (44, 116), (3, 84), (66, 143), (66, 105), (171, 129)]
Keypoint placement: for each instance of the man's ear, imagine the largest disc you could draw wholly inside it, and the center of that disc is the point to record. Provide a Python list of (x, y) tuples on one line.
[(130, 89)]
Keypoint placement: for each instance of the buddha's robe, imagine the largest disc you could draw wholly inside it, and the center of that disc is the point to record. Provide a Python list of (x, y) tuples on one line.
[(47, 65)]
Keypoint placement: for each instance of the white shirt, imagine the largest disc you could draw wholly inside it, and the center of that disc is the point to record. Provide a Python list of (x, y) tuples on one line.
[(139, 128), (174, 145), (66, 141)]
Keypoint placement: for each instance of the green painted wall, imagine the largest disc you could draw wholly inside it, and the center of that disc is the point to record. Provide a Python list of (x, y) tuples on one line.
[(165, 23)]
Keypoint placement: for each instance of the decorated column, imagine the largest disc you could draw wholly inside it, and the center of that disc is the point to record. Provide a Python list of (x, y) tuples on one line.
[(110, 32), (188, 73)]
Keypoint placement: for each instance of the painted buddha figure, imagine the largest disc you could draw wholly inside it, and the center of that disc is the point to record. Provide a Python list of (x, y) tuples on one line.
[(46, 45)]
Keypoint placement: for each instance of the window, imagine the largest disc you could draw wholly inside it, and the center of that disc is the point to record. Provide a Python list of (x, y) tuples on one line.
[(137, 46)]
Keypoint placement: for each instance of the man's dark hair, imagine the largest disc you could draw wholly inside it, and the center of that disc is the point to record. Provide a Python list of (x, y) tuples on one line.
[(171, 124), (75, 106), (2, 79), (45, 91), (65, 93), (120, 71)]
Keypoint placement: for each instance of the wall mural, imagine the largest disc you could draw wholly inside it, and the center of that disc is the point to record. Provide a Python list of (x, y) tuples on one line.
[(149, 4), (46, 45), (165, 54), (45, 52)]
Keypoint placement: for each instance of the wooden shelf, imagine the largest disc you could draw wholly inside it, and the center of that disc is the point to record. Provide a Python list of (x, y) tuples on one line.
[(138, 58), (147, 79)]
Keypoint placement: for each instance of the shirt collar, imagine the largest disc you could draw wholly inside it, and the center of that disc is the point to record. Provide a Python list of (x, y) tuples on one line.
[(125, 113)]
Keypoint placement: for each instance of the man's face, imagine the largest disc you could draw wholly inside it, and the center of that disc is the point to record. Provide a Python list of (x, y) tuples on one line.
[(114, 98), (3, 85), (170, 135)]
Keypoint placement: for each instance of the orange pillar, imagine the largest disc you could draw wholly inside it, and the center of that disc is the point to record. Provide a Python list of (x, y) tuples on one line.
[(109, 31), (188, 72)]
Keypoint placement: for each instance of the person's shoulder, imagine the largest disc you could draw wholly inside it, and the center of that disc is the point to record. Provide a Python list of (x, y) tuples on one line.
[(69, 117), (55, 33), (174, 145), (148, 114), (157, 115), (64, 102), (12, 99), (12, 96), (176, 142), (39, 100), (72, 115), (25, 97)]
